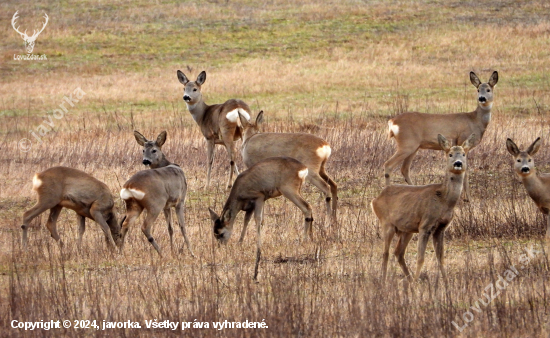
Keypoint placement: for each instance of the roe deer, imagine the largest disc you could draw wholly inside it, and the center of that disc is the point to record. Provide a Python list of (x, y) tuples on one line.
[(157, 189), (413, 131), (218, 122), (537, 186), (426, 210), (60, 187), (266, 179), (310, 150)]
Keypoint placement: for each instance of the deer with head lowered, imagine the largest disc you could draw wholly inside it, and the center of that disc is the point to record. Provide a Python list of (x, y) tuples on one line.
[(413, 131), (427, 210), (60, 187), (310, 150), (157, 189), (537, 186), (266, 179), (218, 122)]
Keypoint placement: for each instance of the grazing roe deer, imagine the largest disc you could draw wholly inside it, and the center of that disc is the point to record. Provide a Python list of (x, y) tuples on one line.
[(309, 149), (427, 210), (413, 131), (157, 189), (537, 186), (60, 187), (218, 122), (266, 179)]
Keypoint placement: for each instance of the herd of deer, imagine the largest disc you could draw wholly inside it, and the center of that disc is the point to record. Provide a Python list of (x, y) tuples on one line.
[(278, 164)]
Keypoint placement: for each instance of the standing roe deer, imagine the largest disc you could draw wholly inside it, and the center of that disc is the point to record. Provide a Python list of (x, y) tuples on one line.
[(269, 178), (426, 210), (537, 186), (413, 131), (309, 149), (60, 187), (218, 122), (157, 189)]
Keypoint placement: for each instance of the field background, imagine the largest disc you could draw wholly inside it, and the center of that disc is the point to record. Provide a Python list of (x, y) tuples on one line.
[(337, 69)]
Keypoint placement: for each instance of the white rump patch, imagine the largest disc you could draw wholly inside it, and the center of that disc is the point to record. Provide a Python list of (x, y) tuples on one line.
[(36, 182), (324, 151), (303, 173), (393, 127), (126, 194), (233, 115)]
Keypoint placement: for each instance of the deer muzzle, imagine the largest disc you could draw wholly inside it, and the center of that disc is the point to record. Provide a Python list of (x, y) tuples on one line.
[(525, 170), (457, 165)]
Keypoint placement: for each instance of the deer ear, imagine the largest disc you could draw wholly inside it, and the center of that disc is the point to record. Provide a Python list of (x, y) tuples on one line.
[(469, 143), (213, 215), (534, 147), (512, 147), (260, 117), (474, 79), (494, 79), (244, 121), (443, 142), (201, 78), (183, 79), (141, 140), (161, 139)]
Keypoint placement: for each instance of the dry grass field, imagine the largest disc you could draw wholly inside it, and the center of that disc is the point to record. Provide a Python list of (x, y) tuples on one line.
[(335, 69)]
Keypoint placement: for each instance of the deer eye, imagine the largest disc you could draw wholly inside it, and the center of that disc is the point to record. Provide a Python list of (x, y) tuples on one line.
[(450, 155), (488, 90), (194, 89), (154, 151), (144, 150), (464, 154), (529, 160), (519, 161)]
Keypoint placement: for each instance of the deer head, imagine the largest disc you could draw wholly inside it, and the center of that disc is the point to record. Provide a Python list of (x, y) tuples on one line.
[(29, 40)]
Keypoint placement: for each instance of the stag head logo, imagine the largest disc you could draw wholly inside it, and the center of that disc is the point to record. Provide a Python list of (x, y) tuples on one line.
[(29, 40)]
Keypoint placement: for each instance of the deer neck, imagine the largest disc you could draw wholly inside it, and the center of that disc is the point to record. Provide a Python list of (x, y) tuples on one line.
[(533, 185), (452, 188), (483, 114), (162, 163), (198, 110)]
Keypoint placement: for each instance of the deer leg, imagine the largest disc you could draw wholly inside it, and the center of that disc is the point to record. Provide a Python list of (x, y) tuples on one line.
[(181, 221), (247, 217), (98, 217), (467, 197), (210, 144), (51, 224), (333, 191), (258, 211), (147, 225), (423, 237), (404, 239), (168, 216), (30, 214), (406, 167), (231, 152), (81, 229), (320, 183), (390, 164), (298, 200), (438, 246), (132, 213), (389, 232)]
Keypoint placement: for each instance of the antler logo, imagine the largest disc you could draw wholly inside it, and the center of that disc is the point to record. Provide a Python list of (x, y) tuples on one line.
[(29, 40)]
